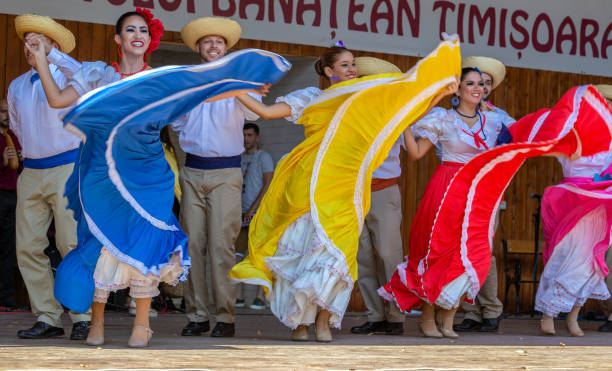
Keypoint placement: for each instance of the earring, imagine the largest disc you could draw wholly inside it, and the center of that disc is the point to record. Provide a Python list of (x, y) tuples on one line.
[(119, 51), (455, 101)]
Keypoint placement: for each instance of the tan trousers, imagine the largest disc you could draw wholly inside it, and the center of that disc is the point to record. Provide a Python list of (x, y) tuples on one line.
[(486, 305), (381, 233), (606, 305), (210, 215), (40, 199)]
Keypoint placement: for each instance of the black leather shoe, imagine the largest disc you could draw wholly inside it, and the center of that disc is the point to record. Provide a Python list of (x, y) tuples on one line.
[(195, 328), (606, 327), (379, 327), (223, 330), (394, 328), (80, 330), (467, 325), (489, 325), (40, 330)]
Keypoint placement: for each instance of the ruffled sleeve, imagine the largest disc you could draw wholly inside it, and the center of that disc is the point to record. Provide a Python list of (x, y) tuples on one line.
[(299, 100), (432, 125), (93, 75)]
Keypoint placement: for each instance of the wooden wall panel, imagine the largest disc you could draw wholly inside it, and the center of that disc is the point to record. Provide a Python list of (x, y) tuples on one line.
[(522, 92)]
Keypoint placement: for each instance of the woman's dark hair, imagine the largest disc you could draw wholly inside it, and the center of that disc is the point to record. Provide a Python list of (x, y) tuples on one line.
[(328, 58), (466, 70), (124, 16)]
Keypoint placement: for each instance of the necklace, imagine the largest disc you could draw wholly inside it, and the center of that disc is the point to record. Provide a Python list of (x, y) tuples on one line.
[(478, 141), (123, 75), (466, 116)]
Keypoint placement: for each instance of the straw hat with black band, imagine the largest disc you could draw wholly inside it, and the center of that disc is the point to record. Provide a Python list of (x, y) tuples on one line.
[(227, 28), (490, 66), (44, 25), (605, 91), (367, 66)]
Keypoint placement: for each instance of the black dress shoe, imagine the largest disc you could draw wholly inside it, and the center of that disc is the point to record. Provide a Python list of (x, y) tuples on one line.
[(394, 328), (40, 330), (80, 330), (489, 325), (467, 325), (195, 328), (379, 327), (606, 327), (223, 330)]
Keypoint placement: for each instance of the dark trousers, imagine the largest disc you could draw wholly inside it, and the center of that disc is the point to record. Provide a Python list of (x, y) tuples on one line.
[(8, 202)]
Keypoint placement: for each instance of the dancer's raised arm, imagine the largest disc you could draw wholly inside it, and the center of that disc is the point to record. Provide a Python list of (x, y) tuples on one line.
[(57, 98)]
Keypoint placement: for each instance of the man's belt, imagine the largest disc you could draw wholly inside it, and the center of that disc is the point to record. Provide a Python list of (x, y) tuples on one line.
[(60, 159), (210, 163)]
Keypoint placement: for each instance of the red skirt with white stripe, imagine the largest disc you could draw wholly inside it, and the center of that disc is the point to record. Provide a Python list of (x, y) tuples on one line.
[(459, 241)]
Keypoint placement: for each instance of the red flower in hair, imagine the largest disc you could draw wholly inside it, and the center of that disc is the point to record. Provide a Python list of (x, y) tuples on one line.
[(156, 29)]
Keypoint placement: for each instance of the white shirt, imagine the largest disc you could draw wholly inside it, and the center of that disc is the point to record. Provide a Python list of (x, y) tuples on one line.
[(391, 167), (214, 129), (585, 166), (36, 124)]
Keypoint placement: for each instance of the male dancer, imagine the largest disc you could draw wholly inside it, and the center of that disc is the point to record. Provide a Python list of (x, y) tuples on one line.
[(380, 243), (211, 180), (49, 153)]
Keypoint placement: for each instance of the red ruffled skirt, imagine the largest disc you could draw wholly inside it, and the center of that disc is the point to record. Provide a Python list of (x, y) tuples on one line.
[(427, 270)]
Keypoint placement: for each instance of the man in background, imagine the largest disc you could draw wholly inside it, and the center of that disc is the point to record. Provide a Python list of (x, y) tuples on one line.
[(257, 170)]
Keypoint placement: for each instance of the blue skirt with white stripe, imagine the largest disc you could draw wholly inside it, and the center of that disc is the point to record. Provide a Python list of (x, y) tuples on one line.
[(121, 190)]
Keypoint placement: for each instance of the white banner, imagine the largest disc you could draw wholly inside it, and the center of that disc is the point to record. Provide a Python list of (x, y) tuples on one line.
[(558, 35)]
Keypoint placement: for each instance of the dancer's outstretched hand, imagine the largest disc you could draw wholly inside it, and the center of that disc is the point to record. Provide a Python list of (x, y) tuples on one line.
[(263, 91)]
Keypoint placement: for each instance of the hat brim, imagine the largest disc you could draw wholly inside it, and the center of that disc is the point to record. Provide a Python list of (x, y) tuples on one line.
[(367, 66), (227, 28), (490, 66), (44, 25), (605, 91)]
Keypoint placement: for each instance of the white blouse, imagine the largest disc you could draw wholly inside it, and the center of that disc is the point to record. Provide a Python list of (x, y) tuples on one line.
[(298, 101), (457, 141), (585, 166)]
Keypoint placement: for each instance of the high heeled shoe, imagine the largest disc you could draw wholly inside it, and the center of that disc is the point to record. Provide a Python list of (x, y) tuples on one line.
[(451, 334), (140, 343), (429, 332), (574, 329), (547, 330), (95, 341), (300, 333), (323, 336)]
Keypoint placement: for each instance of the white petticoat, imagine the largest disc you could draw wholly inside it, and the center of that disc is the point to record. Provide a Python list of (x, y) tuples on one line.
[(569, 277), (307, 277), (112, 275), (452, 292)]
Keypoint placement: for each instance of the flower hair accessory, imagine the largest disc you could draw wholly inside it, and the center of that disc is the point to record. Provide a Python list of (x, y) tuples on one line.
[(156, 29), (340, 44)]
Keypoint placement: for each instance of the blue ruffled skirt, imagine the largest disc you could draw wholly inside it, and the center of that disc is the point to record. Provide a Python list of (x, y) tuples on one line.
[(121, 190)]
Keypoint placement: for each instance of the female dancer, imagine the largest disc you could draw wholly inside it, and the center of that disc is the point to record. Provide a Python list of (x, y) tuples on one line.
[(123, 261), (337, 65), (577, 217), (437, 278), (303, 240)]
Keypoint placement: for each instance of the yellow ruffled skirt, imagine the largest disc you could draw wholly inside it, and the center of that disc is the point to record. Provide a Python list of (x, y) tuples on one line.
[(303, 240)]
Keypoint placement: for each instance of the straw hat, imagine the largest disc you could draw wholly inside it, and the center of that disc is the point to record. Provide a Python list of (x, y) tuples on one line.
[(605, 91), (490, 66), (373, 66), (198, 28), (45, 25)]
